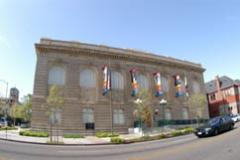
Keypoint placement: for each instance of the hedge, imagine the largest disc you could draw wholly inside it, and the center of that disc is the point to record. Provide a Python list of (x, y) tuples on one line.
[(117, 140), (103, 134), (8, 128), (33, 134), (162, 136)]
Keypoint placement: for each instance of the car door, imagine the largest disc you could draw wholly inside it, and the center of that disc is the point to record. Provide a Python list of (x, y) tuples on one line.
[(226, 121), (222, 124)]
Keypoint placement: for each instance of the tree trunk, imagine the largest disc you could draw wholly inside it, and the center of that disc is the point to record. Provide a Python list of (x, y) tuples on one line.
[(14, 122), (50, 132)]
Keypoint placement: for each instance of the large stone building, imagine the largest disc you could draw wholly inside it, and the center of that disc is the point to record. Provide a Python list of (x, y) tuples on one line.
[(77, 68)]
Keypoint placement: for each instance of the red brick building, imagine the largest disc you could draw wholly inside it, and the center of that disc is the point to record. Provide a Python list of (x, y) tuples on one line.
[(223, 96)]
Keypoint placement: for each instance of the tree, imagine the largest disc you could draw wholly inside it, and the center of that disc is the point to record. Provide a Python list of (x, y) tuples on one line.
[(22, 111), (53, 106), (26, 108), (143, 110), (196, 103), (2, 104), (15, 113)]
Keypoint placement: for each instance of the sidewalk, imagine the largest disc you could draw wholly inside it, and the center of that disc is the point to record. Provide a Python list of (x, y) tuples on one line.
[(13, 135)]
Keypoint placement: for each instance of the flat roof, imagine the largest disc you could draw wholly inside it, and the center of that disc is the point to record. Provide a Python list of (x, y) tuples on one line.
[(54, 44)]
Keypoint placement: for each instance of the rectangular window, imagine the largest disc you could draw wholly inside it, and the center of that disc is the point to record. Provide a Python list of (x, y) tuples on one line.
[(213, 97), (118, 117), (88, 118), (89, 126)]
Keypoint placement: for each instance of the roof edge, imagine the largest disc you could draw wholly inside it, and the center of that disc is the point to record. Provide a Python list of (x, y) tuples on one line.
[(132, 52)]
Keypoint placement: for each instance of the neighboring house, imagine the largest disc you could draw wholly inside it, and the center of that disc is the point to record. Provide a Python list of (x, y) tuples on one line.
[(223, 96), (79, 70), (14, 96), (7, 103)]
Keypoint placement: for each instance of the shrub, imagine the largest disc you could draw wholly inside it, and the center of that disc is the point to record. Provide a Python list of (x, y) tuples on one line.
[(176, 133), (188, 130), (103, 134), (117, 140), (8, 128), (146, 138), (161, 136), (143, 138), (33, 134), (73, 136)]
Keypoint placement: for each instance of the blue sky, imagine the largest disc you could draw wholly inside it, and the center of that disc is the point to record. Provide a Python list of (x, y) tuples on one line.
[(202, 31)]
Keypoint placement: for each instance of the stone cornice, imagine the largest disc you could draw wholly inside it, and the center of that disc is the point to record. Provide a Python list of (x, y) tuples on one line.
[(47, 45)]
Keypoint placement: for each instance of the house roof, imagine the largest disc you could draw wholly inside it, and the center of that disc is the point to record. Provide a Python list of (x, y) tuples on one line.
[(225, 82)]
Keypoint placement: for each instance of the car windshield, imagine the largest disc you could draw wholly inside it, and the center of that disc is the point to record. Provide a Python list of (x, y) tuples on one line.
[(213, 121)]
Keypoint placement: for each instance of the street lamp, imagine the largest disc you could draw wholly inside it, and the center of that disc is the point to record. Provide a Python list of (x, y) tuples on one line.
[(137, 114), (5, 109), (155, 119), (162, 103)]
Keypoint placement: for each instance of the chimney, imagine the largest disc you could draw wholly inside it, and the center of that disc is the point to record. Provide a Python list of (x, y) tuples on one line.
[(218, 85)]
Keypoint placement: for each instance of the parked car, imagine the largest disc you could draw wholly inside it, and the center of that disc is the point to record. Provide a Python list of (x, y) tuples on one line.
[(25, 125), (238, 115), (3, 122), (235, 117), (215, 126)]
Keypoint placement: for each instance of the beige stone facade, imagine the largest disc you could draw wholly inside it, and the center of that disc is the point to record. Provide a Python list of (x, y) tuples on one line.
[(74, 57)]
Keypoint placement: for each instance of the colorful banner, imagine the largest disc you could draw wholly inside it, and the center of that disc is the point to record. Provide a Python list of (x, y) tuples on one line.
[(178, 86), (186, 86), (134, 82), (106, 80), (158, 83)]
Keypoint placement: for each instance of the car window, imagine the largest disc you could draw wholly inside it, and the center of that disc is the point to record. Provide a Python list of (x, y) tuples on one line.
[(213, 121), (224, 119), (227, 118)]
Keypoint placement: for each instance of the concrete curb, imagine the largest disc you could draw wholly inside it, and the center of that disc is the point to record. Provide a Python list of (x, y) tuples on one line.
[(55, 144)]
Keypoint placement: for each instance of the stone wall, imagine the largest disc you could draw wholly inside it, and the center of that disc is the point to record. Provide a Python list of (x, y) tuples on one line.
[(73, 59)]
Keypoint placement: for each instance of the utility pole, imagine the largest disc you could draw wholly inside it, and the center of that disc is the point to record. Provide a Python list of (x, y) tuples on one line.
[(5, 108), (110, 95)]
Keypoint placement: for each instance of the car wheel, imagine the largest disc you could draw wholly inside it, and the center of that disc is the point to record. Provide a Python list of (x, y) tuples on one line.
[(231, 127), (216, 132)]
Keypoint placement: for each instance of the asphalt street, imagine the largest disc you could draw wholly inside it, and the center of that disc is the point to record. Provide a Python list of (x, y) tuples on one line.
[(221, 147)]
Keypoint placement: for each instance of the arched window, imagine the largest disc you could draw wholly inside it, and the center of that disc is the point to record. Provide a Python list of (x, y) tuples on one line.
[(168, 115), (165, 86), (118, 116), (142, 81), (88, 116), (116, 80), (196, 87), (184, 113), (56, 76), (87, 78)]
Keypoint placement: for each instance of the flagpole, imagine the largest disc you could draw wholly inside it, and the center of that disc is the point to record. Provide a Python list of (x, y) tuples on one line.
[(110, 97)]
